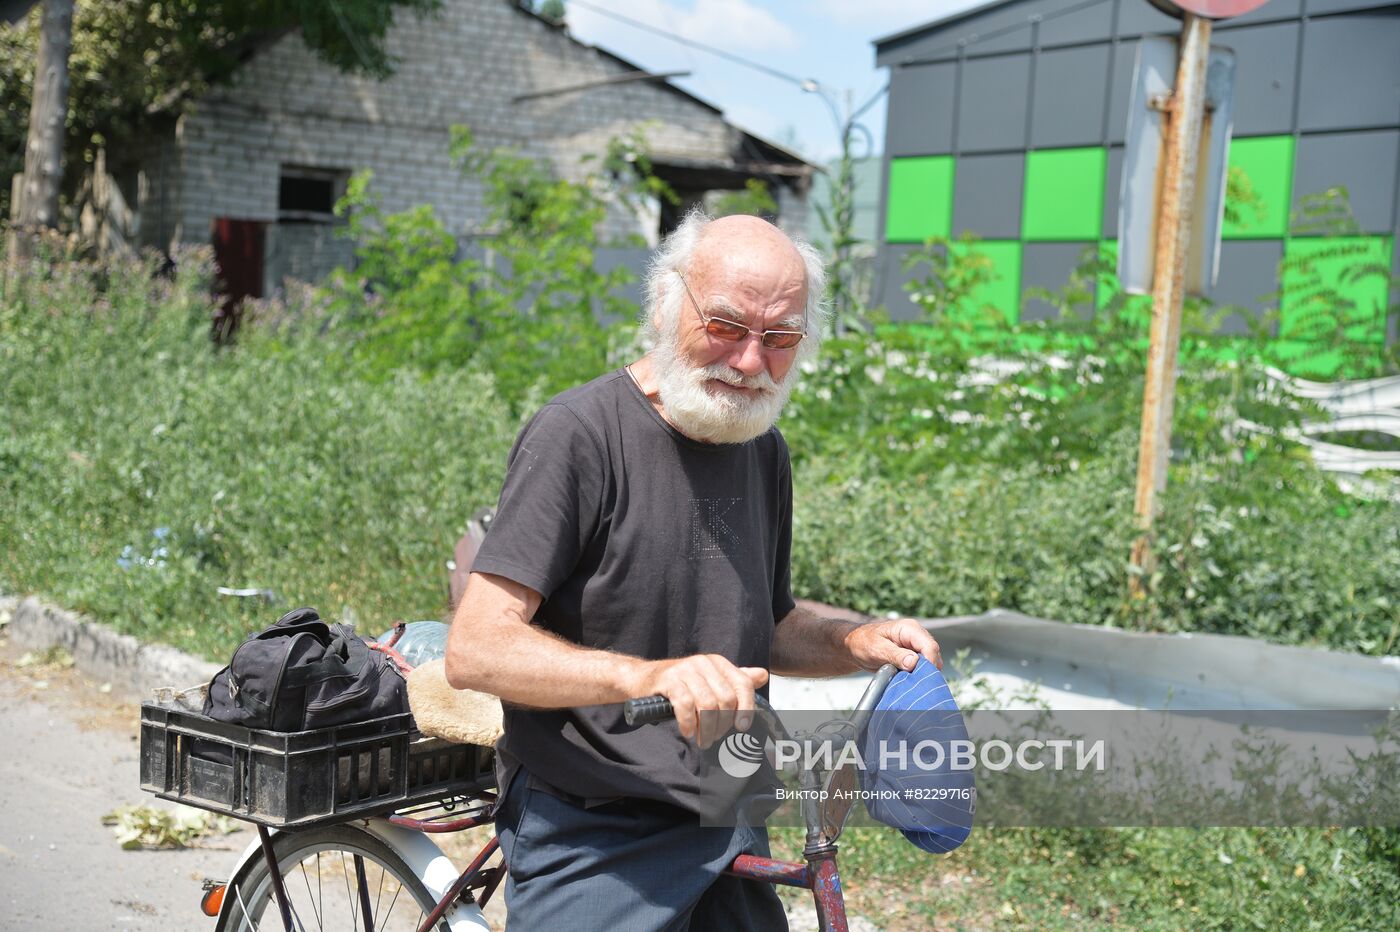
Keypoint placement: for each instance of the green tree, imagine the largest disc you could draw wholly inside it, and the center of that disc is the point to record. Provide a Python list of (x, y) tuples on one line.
[(946, 291), (132, 60), (551, 9), (837, 218), (527, 303), (838, 223), (754, 199)]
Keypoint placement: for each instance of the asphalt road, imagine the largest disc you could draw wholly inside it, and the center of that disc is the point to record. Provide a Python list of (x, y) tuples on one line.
[(68, 755)]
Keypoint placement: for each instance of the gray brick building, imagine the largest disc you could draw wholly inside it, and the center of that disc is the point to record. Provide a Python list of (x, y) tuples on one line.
[(256, 164)]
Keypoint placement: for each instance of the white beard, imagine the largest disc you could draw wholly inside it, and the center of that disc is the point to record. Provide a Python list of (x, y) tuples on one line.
[(714, 418)]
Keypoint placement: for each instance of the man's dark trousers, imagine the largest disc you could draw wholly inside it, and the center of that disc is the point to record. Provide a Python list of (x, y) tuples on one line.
[(629, 864)]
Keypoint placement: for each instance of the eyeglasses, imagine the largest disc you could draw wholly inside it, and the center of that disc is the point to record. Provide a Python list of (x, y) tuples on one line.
[(731, 331)]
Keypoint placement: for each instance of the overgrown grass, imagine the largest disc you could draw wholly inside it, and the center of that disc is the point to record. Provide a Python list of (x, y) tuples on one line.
[(129, 440), (1135, 878), (146, 469), (1267, 549)]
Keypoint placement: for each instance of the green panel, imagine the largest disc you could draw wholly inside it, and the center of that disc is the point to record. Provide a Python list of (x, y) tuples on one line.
[(1064, 194), (921, 199), (1003, 292), (1267, 164), (1332, 282)]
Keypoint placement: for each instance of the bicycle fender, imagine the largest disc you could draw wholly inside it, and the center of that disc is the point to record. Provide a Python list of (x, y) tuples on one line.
[(434, 868), (240, 870), (418, 851)]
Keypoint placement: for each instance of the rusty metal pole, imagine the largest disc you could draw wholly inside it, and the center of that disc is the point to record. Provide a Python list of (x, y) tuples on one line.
[(1184, 116)]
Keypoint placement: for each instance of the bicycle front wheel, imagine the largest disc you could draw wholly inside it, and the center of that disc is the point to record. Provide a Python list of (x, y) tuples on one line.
[(334, 876)]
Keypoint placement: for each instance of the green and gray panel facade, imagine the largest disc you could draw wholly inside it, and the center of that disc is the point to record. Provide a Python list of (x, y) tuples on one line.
[(1008, 122)]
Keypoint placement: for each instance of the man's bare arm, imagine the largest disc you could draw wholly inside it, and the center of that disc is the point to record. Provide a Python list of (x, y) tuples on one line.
[(492, 647), (807, 645)]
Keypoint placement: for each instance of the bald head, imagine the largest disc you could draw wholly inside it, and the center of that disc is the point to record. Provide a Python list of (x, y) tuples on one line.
[(742, 236)]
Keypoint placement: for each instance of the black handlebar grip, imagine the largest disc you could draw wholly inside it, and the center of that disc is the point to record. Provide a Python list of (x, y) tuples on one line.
[(647, 711)]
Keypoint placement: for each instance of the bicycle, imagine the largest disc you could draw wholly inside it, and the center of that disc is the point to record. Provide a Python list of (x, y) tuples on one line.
[(380, 871)]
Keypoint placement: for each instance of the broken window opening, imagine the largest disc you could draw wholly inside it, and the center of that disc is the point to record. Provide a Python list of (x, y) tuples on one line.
[(308, 195)]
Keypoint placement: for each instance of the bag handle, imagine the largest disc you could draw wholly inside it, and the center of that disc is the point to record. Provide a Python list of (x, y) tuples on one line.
[(297, 621), (339, 658)]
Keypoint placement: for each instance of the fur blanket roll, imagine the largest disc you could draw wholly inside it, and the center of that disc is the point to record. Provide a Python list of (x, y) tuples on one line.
[(461, 715)]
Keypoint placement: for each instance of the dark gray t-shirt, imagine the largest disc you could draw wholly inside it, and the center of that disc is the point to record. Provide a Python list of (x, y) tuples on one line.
[(644, 542)]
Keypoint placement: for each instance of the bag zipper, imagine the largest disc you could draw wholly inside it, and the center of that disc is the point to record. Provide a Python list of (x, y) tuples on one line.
[(339, 700)]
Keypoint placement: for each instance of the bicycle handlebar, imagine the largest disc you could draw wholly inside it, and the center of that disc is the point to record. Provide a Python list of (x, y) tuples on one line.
[(647, 711), (652, 709)]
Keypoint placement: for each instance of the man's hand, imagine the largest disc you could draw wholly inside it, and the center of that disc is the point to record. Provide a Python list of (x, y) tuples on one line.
[(709, 694), (806, 645), (899, 642)]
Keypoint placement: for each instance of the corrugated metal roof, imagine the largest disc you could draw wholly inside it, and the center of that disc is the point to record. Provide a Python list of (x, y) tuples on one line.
[(942, 21), (975, 8)]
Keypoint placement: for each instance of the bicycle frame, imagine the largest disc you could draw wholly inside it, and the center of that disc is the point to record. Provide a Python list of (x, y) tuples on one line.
[(818, 875), (818, 872)]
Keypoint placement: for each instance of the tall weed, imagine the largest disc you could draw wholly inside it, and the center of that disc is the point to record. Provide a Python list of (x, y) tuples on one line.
[(146, 469)]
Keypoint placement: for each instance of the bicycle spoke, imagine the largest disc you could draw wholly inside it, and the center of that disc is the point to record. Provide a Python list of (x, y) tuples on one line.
[(349, 894), (320, 924), (366, 899), (377, 894), (390, 912), (296, 917)]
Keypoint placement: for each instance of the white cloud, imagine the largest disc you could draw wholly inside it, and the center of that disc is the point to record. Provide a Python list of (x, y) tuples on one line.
[(880, 17), (733, 25)]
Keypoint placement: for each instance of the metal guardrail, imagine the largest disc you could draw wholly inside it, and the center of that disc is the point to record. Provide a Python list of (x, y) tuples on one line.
[(1354, 406)]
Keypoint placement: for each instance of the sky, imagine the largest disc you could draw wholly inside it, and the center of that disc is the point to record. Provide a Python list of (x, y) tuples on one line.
[(827, 40)]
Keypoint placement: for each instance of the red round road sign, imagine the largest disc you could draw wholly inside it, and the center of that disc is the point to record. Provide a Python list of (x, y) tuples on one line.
[(1210, 9)]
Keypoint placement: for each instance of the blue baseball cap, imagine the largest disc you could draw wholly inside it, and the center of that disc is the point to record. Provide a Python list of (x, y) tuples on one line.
[(911, 776)]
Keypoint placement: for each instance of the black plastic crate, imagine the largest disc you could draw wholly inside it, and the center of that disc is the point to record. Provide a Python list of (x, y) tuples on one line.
[(298, 778)]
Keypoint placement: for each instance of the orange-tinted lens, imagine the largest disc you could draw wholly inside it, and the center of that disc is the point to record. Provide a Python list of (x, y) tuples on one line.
[(725, 329), (782, 339)]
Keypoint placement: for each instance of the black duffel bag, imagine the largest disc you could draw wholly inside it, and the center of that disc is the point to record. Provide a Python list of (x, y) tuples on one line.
[(302, 674)]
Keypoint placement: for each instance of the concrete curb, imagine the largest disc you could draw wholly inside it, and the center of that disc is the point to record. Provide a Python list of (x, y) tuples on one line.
[(137, 668), (100, 652)]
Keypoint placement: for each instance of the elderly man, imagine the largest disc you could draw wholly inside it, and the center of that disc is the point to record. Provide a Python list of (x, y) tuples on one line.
[(640, 547)]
